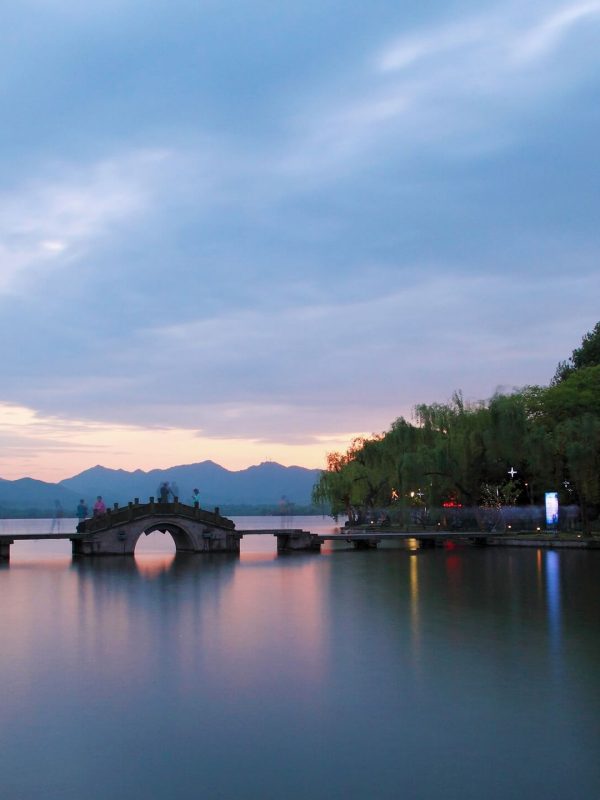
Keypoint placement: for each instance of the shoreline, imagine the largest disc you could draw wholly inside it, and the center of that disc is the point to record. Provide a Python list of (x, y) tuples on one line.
[(561, 539)]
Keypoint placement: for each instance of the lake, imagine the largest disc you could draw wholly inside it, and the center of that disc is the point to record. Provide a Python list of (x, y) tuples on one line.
[(397, 673)]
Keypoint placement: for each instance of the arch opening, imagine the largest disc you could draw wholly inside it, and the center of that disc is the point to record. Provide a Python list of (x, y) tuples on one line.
[(154, 543), (163, 538)]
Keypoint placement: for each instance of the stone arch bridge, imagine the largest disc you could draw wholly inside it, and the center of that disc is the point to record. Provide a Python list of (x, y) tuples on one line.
[(193, 529)]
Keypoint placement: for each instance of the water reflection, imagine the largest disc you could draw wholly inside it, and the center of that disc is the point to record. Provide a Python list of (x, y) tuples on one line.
[(153, 565), (553, 597), (415, 619), (539, 573), (359, 664)]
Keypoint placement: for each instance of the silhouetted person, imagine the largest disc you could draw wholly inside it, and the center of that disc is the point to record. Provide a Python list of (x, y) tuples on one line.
[(163, 492), (284, 510), (174, 490), (99, 506), (58, 515), (195, 497), (82, 510)]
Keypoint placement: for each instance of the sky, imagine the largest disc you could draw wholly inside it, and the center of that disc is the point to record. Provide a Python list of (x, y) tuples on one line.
[(254, 230)]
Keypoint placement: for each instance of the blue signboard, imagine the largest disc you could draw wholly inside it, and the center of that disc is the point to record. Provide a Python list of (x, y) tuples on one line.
[(552, 509)]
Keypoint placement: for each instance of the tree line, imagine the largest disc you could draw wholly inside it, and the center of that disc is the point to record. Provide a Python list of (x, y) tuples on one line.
[(505, 452)]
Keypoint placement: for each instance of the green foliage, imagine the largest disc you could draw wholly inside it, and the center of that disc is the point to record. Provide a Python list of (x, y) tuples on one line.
[(587, 355), (578, 394)]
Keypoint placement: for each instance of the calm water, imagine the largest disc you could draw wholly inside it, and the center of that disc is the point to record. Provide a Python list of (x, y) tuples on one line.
[(465, 673)]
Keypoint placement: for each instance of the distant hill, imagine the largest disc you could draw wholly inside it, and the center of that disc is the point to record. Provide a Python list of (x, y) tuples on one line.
[(32, 497), (263, 484), (259, 486)]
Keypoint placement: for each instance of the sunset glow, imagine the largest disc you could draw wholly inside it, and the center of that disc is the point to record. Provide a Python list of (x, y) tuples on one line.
[(50, 448)]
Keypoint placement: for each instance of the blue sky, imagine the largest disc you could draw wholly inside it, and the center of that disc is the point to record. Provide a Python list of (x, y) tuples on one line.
[(253, 230)]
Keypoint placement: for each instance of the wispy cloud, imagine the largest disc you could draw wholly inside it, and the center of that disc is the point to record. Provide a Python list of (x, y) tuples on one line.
[(407, 51), (450, 88), (496, 36), (547, 34), (49, 223)]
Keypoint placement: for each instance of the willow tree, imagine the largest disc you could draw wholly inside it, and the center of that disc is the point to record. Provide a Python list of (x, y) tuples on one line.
[(456, 446), (353, 480)]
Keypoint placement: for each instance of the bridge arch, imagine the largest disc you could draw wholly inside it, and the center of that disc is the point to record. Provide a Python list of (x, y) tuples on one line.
[(192, 529), (182, 538)]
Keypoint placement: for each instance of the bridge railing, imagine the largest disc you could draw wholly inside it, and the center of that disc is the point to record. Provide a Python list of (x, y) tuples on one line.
[(119, 515)]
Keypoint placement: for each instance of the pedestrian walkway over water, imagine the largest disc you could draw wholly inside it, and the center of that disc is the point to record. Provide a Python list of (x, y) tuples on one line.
[(196, 530)]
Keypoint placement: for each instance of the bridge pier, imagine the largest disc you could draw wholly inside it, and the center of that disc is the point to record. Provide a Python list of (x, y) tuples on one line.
[(366, 544), (289, 541), (5, 549)]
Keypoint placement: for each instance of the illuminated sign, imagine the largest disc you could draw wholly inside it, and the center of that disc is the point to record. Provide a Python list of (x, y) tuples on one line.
[(552, 509)]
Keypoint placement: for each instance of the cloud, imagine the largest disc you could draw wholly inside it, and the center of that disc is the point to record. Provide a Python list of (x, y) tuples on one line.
[(298, 242), (50, 224), (547, 35), (455, 89), (53, 448), (407, 51), (495, 36), (291, 375)]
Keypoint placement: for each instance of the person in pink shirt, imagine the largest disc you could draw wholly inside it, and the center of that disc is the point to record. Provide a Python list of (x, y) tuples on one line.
[(99, 506)]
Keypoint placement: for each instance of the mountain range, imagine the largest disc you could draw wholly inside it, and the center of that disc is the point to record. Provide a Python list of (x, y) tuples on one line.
[(260, 485)]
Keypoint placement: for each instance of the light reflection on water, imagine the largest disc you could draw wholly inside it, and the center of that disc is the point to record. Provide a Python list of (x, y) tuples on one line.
[(372, 674)]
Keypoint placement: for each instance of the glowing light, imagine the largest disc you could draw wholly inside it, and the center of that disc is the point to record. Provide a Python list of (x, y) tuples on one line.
[(552, 509)]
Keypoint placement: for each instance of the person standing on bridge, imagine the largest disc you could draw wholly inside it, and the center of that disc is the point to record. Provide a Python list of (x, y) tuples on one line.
[(195, 498), (163, 492), (285, 509), (82, 510), (174, 491), (99, 506), (58, 515)]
